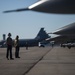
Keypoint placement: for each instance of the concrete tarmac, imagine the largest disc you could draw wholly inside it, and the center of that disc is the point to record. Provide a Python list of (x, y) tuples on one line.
[(39, 61), (58, 61), (21, 66)]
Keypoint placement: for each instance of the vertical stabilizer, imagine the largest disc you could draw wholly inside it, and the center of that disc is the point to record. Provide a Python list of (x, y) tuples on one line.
[(42, 35)]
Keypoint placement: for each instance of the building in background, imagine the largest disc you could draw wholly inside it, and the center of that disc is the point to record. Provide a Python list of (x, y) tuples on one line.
[(4, 37)]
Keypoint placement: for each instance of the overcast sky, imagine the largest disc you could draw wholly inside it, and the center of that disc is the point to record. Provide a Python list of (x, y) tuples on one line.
[(27, 24)]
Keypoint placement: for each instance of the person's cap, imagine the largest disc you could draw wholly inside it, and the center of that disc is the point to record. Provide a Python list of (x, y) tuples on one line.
[(9, 34)]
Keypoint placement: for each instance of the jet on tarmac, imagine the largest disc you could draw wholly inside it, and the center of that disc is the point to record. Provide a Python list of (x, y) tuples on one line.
[(41, 36), (65, 34)]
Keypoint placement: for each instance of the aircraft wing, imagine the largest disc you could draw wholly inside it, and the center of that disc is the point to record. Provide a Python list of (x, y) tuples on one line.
[(57, 39), (66, 34), (51, 6), (62, 39), (67, 30)]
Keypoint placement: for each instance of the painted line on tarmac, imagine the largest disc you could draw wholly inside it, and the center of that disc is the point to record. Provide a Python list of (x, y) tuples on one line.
[(36, 62)]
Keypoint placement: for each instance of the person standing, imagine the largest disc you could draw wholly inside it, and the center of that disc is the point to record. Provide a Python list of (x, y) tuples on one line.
[(26, 45), (16, 42), (9, 47)]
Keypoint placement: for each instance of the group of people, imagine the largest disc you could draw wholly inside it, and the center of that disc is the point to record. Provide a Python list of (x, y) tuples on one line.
[(9, 43)]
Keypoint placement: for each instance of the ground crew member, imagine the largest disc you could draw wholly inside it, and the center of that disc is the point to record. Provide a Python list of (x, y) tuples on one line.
[(26, 45), (9, 47), (16, 42)]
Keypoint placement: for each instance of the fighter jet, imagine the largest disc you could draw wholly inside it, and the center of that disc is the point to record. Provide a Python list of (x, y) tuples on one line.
[(65, 34), (41, 36), (50, 6)]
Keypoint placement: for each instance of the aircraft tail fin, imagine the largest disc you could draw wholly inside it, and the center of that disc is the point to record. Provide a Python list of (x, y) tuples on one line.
[(42, 35)]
